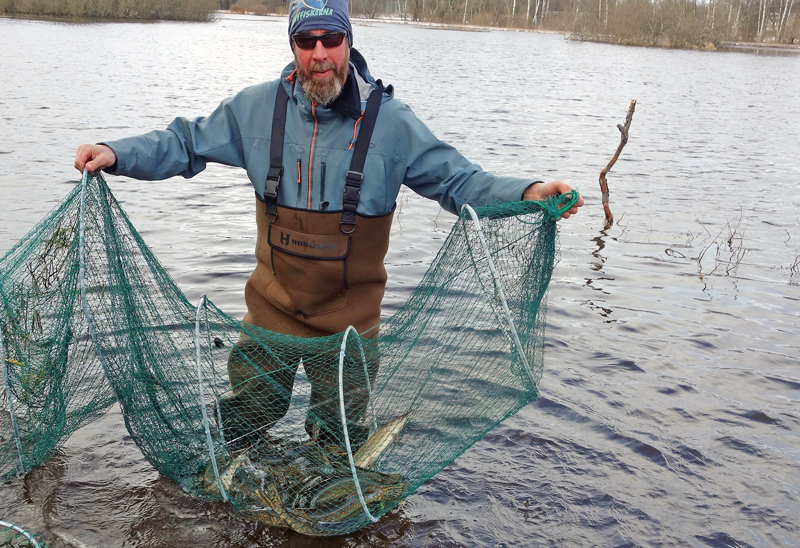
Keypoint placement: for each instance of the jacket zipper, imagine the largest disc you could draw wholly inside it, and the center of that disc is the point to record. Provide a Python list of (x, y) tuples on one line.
[(323, 205), (299, 184), (311, 152)]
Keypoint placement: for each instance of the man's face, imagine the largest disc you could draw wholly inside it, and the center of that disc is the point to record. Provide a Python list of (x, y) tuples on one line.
[(322, 71)]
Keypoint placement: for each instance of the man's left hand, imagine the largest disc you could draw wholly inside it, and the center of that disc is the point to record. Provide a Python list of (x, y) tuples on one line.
[(540, 191)]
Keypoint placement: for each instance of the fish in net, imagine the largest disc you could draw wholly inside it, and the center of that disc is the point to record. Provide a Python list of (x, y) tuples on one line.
[(322, 435)]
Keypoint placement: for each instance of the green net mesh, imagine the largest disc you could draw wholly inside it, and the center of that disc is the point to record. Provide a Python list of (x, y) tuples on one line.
[(322, 435), (15, 536)]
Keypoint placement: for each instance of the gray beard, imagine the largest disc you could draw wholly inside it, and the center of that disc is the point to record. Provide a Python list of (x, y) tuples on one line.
[(323, 91)]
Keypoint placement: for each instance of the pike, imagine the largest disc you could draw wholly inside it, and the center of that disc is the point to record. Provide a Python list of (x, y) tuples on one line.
[(316, 521), (272, 499), (209, 480), (387, 434), (374, 483)]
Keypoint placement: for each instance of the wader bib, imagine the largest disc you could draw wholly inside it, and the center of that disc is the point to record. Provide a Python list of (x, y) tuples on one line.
[(316, 273)]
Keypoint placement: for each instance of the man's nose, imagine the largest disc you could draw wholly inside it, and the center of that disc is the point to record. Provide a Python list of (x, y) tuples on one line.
[(320, 51)]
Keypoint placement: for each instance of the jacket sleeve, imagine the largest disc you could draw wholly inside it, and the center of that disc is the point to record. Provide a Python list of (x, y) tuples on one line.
[(184, 148), (438, 171)]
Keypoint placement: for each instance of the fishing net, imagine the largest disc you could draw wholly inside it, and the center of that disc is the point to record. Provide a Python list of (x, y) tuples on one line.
[(322, 435), (14, 536)]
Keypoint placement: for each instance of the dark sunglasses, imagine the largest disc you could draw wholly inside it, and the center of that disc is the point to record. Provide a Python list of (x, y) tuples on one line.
[(309, 41)]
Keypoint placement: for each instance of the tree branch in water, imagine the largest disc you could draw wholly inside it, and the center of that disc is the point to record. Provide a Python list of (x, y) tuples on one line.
[(623, 140)]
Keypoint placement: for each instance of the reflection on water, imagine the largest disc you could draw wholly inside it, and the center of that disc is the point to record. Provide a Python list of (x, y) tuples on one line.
[(756, 49), (669, 409)]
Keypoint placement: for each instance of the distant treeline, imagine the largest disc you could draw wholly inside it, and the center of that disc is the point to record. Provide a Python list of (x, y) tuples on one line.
[(182, 10), (667, 23)]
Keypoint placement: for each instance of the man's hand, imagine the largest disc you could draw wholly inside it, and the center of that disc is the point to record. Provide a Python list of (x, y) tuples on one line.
[(540, 191), (94, 157)]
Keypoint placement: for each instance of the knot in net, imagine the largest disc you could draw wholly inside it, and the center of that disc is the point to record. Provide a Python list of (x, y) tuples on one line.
[(322, 435)]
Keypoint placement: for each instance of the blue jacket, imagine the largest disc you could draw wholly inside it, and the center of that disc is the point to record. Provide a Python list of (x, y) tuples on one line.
[(317, 149)]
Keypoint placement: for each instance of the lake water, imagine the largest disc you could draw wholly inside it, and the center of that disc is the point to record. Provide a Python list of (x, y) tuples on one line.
[(669, 413)]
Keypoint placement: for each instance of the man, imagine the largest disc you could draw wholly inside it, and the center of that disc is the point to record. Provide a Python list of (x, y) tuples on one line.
[(326, 148)]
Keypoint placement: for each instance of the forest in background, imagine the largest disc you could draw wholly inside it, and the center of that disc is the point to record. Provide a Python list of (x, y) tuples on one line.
[(177, 10), (665, 23)]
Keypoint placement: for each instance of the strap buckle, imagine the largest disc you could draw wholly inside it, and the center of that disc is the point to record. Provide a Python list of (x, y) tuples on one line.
[(271, 186), (354, 177), (352, 190)]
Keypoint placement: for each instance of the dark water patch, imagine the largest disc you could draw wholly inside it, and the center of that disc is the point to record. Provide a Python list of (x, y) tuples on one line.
[(742, 446), (524, 437), (648, 451), (792, 383), (672, 391), (560, 410), (574, 381), (722, 540), (514, 438), (702, 343), (687, 415), (553, 343), (758, 513), (613, 366), (691, 455), (760, 416), (680, 458)]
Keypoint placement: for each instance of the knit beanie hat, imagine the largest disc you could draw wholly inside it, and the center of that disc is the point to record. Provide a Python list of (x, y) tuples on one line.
[(308, 15)]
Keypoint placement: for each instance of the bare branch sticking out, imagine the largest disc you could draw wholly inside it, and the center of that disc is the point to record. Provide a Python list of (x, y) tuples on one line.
[(623, 129)]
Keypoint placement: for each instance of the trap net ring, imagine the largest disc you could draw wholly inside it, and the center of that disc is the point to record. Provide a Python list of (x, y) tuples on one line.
[(356, 482), (501, 294), (201, 306), (19, 536), (10, 401)]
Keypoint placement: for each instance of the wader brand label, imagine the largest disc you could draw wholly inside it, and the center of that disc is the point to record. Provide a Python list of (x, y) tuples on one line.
[(325, 248), (310, 271)]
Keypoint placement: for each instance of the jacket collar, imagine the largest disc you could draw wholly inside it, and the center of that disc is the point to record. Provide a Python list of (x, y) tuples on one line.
[(349, 101)]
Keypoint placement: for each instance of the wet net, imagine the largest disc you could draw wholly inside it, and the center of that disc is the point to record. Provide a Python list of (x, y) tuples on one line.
[(322, 435), (14, 536)]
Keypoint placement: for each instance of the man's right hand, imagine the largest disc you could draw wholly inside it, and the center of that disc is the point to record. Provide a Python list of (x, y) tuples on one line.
[(94, 157)]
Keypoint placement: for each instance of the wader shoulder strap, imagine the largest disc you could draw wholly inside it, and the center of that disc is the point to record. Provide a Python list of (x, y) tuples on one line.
[(352, 185), (273, 181)]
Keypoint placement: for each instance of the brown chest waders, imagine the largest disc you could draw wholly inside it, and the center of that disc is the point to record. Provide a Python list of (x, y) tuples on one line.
[(316, 274)]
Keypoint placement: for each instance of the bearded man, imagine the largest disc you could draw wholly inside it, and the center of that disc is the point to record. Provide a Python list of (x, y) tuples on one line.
[(326, 158)]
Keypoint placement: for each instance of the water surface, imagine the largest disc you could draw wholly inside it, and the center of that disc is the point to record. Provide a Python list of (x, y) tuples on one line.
[(669, 410)]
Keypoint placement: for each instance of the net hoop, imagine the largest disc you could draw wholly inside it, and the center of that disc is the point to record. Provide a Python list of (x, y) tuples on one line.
[(21, 533), (202, 399), (357, 484), (500, 293)]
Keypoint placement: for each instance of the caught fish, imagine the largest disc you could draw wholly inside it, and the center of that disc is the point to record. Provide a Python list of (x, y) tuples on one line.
[(272, 499), (309, 488), (375, 486), (378, 442), (337, 503), (226, 477)]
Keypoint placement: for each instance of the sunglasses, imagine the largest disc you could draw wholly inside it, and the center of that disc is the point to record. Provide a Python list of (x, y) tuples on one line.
[(309, 41)]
